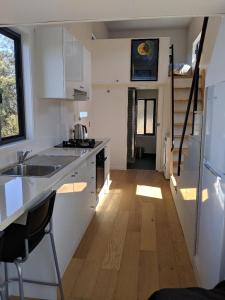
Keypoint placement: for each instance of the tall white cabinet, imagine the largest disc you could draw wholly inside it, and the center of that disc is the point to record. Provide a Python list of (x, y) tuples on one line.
[(64, 64)]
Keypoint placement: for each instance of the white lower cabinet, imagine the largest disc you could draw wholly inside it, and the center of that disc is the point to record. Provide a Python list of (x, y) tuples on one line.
[(74, 208), (72, 213)]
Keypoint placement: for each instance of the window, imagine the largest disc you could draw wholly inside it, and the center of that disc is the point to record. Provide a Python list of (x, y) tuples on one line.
[(12, 121), (146, 116)]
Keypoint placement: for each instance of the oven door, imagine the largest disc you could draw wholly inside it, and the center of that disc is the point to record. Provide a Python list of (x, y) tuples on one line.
[(100, 170)]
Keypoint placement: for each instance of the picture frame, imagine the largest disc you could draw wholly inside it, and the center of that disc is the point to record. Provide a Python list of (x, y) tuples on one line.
[(144, 59)]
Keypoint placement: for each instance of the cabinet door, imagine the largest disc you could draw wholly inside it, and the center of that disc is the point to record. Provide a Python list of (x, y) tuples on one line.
[(50, 66), (110, 61), (73, 56), (82, 58), (65, 213), (83, 185)]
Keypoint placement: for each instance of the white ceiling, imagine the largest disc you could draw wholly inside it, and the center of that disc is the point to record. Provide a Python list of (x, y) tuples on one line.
[(115, 26), (41, 11)]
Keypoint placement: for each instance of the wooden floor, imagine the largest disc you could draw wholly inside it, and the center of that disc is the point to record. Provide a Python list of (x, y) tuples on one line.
[(134, 244)]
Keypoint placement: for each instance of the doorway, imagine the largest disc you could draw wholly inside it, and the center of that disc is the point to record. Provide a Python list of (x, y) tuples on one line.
[(141, 128)]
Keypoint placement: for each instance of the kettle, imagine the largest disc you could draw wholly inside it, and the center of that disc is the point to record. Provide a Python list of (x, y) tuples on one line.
[(80, 131)]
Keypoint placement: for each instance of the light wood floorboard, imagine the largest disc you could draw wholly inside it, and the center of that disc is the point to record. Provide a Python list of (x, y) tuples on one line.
[(133, 246)]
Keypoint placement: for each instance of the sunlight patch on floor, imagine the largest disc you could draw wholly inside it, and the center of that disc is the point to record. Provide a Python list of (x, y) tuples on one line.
[(205, 195), (103, 195), (189, 194), (149, 191)]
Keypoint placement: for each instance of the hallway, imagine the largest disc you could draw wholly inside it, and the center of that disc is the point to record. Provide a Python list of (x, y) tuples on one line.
[(133, 246)]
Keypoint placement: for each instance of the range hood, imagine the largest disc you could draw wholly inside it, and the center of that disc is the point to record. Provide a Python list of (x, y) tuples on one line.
[(80, 95)]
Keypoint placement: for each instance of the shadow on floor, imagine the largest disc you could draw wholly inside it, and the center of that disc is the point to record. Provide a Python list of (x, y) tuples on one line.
[(146, 163)]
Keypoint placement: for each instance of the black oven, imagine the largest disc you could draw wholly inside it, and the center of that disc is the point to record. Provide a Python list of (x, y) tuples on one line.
[(100, 170)]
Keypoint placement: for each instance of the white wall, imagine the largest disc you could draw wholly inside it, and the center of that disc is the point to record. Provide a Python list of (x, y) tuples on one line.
[(109, 119), (193, 31), (111, 61), (109, 110), (211, 35), (216, 67), (178, 38), (210, 40), (83, 31)]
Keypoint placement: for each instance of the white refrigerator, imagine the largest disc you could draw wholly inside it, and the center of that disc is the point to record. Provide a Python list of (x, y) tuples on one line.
[(210, 253)]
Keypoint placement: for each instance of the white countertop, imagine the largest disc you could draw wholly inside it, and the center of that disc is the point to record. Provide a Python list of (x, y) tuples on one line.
[(17, 194)]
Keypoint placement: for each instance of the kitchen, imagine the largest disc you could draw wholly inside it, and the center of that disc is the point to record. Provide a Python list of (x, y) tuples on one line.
[(78, 140), (75, 165)]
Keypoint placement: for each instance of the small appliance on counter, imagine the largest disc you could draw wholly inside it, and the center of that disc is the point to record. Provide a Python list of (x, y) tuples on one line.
[(79, 143), (80, 132)]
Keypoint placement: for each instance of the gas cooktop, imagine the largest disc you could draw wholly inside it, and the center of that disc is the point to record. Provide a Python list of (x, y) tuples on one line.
[(87, 143)]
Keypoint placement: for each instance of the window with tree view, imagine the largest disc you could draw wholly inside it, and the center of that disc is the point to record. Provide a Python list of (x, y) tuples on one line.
[(146, 116), (11, 87)]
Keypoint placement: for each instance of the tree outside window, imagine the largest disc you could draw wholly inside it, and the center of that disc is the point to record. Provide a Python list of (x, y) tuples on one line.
[(11, 87)]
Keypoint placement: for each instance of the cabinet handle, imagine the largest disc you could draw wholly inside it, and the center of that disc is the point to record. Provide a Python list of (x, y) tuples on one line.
[(73, 175), (92, 162), (92, 192), (92, 177)]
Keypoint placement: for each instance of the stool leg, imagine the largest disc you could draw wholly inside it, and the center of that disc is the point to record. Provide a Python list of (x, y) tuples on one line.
[(6, 281), (19, 270), (2, 295), (57, 266)]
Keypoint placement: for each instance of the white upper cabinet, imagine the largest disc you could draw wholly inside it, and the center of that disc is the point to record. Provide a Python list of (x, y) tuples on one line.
[(63, 63), (110, 61)]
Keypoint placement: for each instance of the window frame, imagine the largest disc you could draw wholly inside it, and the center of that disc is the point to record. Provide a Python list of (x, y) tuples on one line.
[(145, 116), (16, 37)]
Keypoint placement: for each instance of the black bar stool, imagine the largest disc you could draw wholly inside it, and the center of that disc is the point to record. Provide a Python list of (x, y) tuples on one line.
[(21, 240)]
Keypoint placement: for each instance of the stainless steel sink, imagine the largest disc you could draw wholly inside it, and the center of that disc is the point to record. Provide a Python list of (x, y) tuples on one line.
[(31, 170), (39, 166)]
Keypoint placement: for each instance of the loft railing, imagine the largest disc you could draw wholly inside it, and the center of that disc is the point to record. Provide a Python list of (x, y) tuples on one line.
[(172, 91), (193, 92)]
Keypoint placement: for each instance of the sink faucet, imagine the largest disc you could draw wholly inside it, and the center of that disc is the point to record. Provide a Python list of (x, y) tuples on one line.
[(21, 156)]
